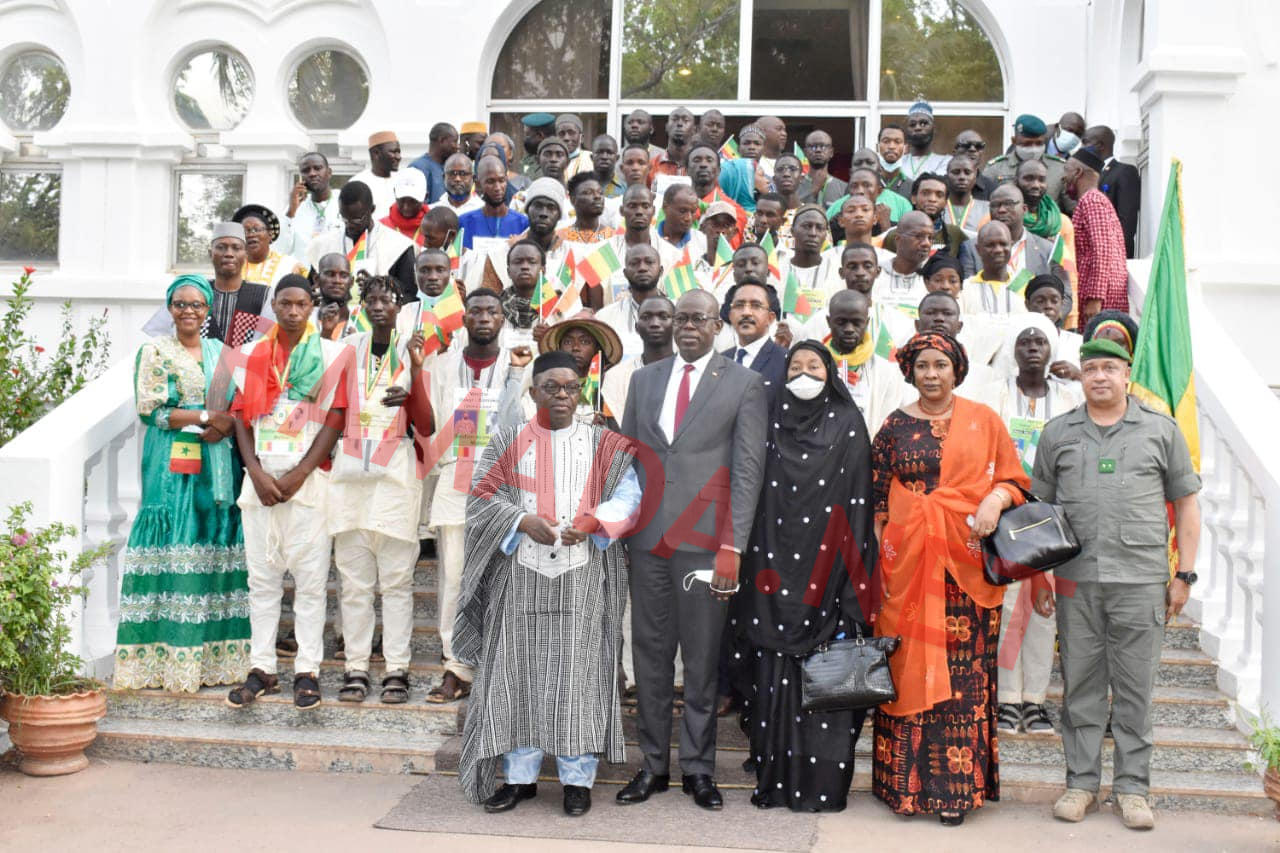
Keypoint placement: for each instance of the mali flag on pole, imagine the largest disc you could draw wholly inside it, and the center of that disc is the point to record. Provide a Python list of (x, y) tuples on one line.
[(771, 253), (359, 320), (444, 314), (1163, 374)]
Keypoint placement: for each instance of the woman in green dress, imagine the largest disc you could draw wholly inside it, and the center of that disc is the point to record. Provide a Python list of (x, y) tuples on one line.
[(184, 602)]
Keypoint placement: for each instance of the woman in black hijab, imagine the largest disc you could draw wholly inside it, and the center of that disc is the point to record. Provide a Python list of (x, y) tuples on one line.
[(806, 578)]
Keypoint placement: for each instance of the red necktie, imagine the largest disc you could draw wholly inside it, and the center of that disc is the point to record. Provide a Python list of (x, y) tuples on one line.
[(682, 398)]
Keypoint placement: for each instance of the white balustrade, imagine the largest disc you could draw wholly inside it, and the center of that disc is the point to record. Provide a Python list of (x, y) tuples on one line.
[(79, 465), (1237, 600)]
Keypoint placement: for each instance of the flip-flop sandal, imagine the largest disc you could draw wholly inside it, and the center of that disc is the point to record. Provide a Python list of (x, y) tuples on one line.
[(257, 684), (355, 686), (460, 690)]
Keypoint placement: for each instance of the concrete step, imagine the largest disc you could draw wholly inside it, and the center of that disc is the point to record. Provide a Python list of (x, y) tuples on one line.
[(425, 675), (1228, 793), (425, 603), (264, 747), (1188, 707), (1178, 668), (1182, 632), (416, 717)]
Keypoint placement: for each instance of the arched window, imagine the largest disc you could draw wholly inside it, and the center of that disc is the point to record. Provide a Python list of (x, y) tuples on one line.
[(34, 91), (844, 65)]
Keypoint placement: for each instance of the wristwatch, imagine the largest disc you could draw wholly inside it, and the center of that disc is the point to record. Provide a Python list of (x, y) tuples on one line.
[(204, 416), (1188, 578)]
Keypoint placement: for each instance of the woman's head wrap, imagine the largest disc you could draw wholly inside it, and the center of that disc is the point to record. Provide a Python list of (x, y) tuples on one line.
[(199, 282), (1114, 319), (944, 344), (941, 261)]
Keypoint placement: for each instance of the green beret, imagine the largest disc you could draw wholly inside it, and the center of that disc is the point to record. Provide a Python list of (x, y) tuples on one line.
[(538, 120), (1104, 348), (1029, 125)]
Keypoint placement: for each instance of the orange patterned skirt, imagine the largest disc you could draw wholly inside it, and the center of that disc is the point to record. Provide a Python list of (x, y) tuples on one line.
[(947, 758)]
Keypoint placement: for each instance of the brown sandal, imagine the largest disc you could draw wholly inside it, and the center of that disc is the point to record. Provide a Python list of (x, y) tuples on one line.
[(306, 691), (451, 689), (257, 684)]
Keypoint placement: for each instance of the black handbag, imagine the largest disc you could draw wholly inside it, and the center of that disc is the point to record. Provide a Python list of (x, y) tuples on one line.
[(1028, 539), (845, 675)]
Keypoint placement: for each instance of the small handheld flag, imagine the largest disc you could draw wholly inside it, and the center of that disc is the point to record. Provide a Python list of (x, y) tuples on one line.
[(804, 161), (591, 385), (793, 301), (360, 320), (681, 279), (359, 250), (570, 301), (454, 251), (544, 297), (724, 252), (771, 252), (729, 151), (599, 265)]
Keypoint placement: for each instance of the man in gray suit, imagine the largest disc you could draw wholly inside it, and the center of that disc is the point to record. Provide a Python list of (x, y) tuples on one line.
[(704, 419)]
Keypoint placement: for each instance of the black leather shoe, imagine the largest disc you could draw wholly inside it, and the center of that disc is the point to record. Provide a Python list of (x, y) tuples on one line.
[(645, 783), (577, 800), (704, 790), (508, 797)]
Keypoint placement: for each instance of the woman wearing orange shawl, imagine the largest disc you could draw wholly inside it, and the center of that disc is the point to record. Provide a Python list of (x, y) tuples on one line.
[(944, 469)]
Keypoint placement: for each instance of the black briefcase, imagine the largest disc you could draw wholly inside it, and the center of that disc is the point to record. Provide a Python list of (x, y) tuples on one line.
[(1028, 539), (845, 675)]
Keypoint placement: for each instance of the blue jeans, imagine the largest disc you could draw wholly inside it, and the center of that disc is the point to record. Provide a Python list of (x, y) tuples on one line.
[(521, 767)]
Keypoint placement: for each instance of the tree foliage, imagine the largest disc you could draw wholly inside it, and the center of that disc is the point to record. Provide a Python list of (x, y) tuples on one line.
[(661, 38), (34, 92), (30, 203), (328, 91), (559, 50), (935, 49)]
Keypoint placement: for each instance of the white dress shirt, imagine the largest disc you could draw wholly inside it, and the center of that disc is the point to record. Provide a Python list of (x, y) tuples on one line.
[(753, 350), (667, 418)]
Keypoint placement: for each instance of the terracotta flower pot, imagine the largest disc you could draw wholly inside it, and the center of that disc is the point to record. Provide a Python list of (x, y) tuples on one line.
[(51, 732), (1271, 784)]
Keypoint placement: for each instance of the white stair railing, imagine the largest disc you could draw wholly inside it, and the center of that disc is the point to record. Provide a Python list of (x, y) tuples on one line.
[(1237, 599), (79, 465)]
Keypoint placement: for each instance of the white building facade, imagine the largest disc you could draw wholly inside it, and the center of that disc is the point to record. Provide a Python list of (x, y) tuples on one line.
[(1171, 79)]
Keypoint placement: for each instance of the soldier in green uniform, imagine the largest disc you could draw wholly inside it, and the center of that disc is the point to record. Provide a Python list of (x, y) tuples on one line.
[(537, 127), (1029, 134), (1112, 464)]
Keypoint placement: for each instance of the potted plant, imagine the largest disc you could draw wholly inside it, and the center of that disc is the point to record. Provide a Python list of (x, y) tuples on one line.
[(1266, 740), (52, 710)]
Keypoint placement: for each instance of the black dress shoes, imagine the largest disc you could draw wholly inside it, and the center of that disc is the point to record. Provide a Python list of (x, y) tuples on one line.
[(645, 783), (577, 800), (704, 790), (508, 797)]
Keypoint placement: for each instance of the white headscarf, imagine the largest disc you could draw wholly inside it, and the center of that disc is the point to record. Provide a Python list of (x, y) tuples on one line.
[(1019, 323)]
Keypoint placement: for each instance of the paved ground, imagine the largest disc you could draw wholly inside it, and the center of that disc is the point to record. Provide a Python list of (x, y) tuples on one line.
[(121, 806)]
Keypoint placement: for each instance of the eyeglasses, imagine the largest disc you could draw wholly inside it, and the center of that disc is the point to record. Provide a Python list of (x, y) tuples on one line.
[(188, 306), (555, 389), (249, 231), (970, 146), (695, 320), (786, 170), (747, 305)]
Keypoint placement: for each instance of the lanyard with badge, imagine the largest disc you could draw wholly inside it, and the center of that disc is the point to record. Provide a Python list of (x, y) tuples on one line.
[(475, 408), (280, 440), (377, 377), (1025, 428)]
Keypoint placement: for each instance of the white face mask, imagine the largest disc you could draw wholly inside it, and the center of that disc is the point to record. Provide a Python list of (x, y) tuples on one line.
[(1066, 141), (1028, 152), (805, 386), (890, 167)]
